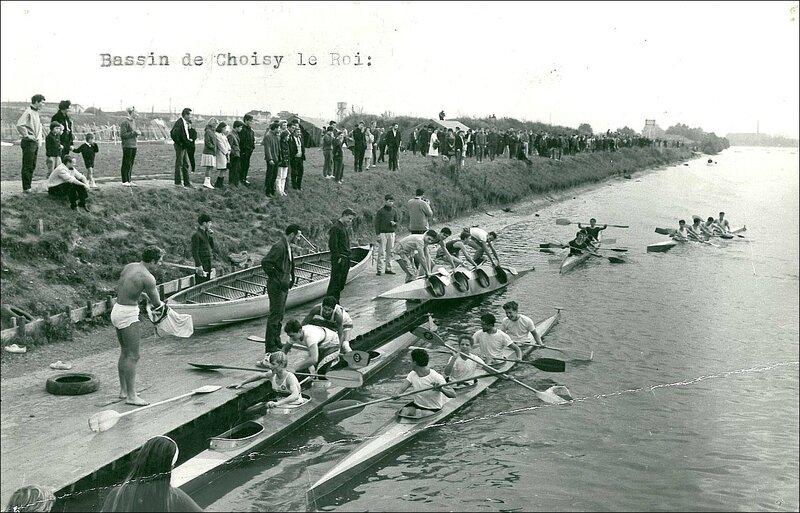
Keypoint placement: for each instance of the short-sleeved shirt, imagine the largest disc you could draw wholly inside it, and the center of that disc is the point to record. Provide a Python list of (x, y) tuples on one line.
[(492, 344), (432, 399), (465, 369), (478, 233), (410, 245), (319, 336), (519, 330)]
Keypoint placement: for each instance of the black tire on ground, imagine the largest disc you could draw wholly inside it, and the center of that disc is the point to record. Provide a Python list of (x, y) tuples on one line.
[(72, 384)]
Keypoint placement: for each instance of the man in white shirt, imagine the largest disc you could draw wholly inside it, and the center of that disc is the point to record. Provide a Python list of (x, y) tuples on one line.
[(29, 127), (519, 327), (481, 242), (493, 342), (421, 377), (67, 181), (322, 345)]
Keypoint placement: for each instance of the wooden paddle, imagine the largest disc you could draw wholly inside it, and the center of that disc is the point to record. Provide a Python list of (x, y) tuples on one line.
[(559, 349), (545, 248), (617, 259), (543, 364), (348, 407), (340, 377), (106, 419), (544, 396), (566, 222)]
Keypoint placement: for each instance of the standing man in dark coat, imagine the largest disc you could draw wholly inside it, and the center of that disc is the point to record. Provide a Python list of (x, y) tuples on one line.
[(423, 140), (67, 135), (393, 146), (247, 145), (182, 144), (279, 268), (359, 147), (272, 155), (297, 154), (202, 249), (339, 245)]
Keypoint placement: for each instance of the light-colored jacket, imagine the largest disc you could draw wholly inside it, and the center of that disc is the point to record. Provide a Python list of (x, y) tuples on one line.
[(127, 133), (63, 174), (419, 213), (29, 126)]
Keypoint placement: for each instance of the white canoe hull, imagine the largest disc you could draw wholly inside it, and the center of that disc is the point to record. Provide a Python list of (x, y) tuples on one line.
[(400, 430), (461, 283), (219, 302)]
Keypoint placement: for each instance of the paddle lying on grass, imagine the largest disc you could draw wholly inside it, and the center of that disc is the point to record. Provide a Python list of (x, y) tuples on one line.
[(106, 419), (565, 222), (348, 407), (559, 349), (546, 396), (339, 377), (543, 364)]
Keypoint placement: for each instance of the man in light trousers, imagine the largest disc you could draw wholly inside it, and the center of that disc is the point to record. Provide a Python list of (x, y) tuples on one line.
[(386, 220)]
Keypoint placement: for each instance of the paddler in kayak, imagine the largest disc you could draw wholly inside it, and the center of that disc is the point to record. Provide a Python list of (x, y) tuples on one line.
[(322, 344), (493, 341), (723, 223), (710, 227), (284, 382), (329, 314), (421, 376), (520, 328), (682, 233), (593, 231), (581, 243), (481, 242), (696, 230), (464, 365)]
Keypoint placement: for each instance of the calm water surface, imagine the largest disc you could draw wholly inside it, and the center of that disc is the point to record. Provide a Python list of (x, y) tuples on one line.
[(690, 403)]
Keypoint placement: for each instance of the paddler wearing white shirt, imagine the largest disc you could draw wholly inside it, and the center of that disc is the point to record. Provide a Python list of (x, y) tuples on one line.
[(422, 376), (682, 233), (481, 242), (710, 227), (493, 342), (322, 345), (520, 328), (411, 245), (464, 365), (696, 229)]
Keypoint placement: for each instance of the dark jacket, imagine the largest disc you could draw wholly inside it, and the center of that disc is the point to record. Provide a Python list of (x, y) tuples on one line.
[(293, 149), (339, 242), (272, 147), (247, 140), (359, 140), (458, 144), (327, 142), (67, 136), (209, 142), (52, 145), (392, 141), (233, 140), (278, 266), (178, 134), (202, 249), (383, 219), (88, 151)]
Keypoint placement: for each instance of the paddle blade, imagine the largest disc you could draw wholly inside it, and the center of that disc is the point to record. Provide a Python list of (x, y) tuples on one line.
[(255, 338), (205, 366), (342, 409), (345, 378), (103, 420), (557, 394), (563, 222), (549, 364), (207, 389), (547, 250), (617, 260), (356, 359), (665, 231)]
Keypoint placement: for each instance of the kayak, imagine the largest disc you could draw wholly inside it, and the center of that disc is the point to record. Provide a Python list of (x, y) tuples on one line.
[(570, 262), (399, 430)]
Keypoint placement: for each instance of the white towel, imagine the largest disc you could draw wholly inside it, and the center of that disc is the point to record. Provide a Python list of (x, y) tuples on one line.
[(170, 322)]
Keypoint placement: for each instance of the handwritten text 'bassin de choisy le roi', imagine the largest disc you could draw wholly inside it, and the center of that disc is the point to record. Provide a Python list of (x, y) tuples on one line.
[(229, 59)]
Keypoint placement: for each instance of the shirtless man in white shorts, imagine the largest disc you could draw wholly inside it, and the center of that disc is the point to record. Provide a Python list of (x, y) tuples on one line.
[(135, 281)]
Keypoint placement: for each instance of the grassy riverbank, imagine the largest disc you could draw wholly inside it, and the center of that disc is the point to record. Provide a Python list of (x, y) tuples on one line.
[(79, 255)]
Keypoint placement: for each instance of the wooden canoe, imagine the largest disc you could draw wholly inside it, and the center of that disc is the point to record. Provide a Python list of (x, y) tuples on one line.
[(457, 284), (661, 247), (242, 295), (277, 423), (399, 430)]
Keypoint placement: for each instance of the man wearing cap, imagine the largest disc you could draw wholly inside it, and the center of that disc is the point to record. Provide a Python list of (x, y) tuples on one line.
[(29, 127), (339, 245), (386, 220)]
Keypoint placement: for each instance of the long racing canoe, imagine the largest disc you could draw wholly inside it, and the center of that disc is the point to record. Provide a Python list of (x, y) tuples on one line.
[(570, 262), (457, 284), (237, 444), (400, 430), (242, 295)]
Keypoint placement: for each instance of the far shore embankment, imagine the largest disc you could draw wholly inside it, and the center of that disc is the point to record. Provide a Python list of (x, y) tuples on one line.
[(78, 256)]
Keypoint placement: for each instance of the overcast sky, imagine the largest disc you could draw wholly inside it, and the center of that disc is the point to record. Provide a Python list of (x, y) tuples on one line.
[(723, 66)]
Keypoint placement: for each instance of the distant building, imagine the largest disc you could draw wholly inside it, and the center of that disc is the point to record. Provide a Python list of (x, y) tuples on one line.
[(260, 116), (651, 130)]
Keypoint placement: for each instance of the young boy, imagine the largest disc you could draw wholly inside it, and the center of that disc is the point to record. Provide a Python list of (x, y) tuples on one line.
[(88, 149), (53, 146), (421, 376), (520, 328), (465, 365)]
